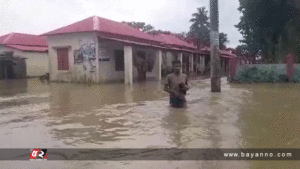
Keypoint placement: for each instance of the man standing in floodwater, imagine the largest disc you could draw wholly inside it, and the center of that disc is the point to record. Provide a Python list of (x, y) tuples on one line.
[(176, 85)]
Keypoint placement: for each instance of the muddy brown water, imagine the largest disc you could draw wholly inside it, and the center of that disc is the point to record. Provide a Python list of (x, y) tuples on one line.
[(62, 115)]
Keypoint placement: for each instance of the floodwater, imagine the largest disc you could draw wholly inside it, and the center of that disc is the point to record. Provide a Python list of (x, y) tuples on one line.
[(61, 115)]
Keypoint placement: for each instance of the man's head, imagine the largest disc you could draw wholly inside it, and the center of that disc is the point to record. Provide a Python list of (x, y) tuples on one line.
[(177, 66)]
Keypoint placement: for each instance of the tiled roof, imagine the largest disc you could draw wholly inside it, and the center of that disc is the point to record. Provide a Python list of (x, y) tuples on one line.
[(28, 48), (115, 30), (23, 39), (99, 24), (172, 40), (222, 52)]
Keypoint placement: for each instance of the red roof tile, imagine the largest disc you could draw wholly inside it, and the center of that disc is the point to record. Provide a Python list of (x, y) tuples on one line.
[(99, 24), (28, 48), (171, 39), (116, 30), (23, 39)]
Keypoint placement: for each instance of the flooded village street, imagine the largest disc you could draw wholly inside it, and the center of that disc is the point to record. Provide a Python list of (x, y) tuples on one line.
[(62, 115)]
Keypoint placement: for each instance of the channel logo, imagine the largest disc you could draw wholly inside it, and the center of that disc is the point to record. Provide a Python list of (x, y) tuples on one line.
[(38, 154)]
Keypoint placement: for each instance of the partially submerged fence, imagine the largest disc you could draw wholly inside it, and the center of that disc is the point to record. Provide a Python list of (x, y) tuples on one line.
[(248, 71)]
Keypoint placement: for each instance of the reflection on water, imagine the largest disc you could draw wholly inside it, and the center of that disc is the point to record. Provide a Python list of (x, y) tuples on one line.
[(11, 87), (176, 121), (35, 114)]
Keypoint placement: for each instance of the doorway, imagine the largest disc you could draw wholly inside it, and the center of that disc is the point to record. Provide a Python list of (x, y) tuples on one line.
[(7, 69)]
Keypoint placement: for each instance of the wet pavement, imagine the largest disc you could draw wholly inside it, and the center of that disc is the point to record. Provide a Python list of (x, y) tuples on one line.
[(61, 115)]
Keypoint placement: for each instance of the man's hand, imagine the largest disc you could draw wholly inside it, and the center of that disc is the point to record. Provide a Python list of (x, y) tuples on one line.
[(183, 87), (186, 87)]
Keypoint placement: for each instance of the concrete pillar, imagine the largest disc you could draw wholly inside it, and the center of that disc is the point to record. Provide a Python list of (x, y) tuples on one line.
[(290, 67), (158, 63), (97, 79), (128, 94), (233, 65), (128, 65), (180, 59), (191, 62), (223, 66), (202, 64)]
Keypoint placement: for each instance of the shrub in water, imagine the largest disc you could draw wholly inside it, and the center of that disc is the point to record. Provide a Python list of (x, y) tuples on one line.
[(296, 76), (255, 74)]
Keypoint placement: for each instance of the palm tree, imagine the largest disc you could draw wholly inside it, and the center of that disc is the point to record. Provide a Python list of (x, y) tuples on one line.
[(200, 28)]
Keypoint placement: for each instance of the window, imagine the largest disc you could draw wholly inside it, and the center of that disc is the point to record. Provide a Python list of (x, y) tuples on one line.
[(119, 60), (62, 59)]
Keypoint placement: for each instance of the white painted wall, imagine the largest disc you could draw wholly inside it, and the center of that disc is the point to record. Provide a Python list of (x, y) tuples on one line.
[(170, 59), (107, 70), (73, 40), (37, 63)]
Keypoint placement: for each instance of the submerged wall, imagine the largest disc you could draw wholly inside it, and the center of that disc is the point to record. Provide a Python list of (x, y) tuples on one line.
[(266, 72)]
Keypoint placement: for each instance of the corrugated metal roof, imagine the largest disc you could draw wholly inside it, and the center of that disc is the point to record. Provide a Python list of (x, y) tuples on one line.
[(28, 48), (23, 39)]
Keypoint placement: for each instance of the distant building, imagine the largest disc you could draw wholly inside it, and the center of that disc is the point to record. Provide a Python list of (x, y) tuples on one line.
[(32, 48)]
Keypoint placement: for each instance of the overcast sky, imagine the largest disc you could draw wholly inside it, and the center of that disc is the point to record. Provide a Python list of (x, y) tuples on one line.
[(40, 16)]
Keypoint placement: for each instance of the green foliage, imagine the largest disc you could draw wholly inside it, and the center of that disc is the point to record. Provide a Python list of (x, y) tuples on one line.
[(140, 25), (290, 39), (255, 74), (199, 33), (296, 76), (223, 40), (262, 23)]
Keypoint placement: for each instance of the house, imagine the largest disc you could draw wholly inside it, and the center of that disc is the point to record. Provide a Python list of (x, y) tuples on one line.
[(32, 48), (100, 50), (204, 61)]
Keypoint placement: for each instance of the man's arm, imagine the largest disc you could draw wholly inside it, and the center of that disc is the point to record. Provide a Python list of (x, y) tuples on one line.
[(186, 87)]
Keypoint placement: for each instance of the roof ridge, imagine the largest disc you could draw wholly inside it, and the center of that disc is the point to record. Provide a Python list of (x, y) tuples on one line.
[(95, 23)]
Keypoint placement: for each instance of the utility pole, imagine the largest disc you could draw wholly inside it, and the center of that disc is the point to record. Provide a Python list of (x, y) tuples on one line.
[(214, 46)]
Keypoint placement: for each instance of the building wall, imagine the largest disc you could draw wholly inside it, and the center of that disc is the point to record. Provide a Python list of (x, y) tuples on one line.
[(16, 52), (170, 59), (107, 70), (20, 68), (37, 63), (75, 72)]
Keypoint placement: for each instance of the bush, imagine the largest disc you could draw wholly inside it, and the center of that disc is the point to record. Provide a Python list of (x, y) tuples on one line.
[(255, 74), (296, 76)]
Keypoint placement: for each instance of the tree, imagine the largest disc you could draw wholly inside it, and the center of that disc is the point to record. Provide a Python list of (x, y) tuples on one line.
[(140, 25), (223, 40), (290, 39), (199, 33), (262, 24)]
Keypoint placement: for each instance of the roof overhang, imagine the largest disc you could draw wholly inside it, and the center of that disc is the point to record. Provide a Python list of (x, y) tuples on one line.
[(60, 47), (27, 48)]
